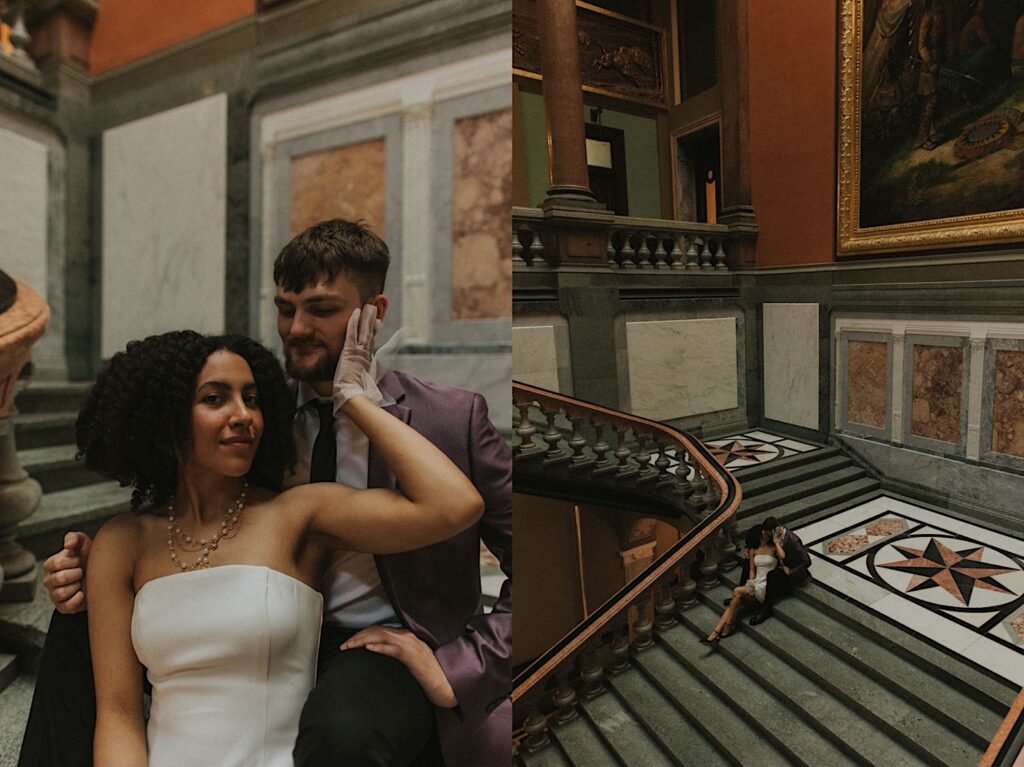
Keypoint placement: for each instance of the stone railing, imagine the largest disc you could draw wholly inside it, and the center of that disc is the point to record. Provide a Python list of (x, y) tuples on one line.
[(23, 318), (13, 15), (631, 243), (573, 439)]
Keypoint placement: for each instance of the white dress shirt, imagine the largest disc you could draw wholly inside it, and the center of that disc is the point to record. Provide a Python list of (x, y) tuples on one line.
[(354, 596)]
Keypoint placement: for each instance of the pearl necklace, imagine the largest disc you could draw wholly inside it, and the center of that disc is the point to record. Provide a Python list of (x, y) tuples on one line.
[(227, 530)]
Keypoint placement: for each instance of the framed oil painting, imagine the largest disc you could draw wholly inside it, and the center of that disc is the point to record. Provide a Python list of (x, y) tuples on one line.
[(931, 124)]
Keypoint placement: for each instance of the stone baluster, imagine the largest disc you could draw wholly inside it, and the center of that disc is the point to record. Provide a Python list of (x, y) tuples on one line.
[(517, 249), (720, 255), (610, 250), (601, 447), (665, 607), (620, 646), (643, 253), (730, 551), (564, 698), (626, 252), (643, 455), (692, 257), (662, 464), (644, 628), (591, 673), (708, 567), (687, 585), (536, 729), (677, 252), (577, 441), (710, 497), (536, 248), (705, 256), (659, 253), (684, 485), (622, 451), (525, 431), (552, 436), (19, 36)]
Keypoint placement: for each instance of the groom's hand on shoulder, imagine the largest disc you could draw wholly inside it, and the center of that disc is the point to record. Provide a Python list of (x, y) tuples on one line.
[(64, 577), (417, 656)]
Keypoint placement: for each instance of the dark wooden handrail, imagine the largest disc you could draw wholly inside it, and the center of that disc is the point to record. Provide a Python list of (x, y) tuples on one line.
[(730, 497), (1007, 747)]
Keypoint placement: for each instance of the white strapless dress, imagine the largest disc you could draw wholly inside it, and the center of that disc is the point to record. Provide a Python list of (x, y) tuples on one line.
[(231, 654), (763, 564)]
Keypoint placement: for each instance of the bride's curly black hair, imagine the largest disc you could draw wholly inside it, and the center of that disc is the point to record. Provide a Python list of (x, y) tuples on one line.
[(136, 420)]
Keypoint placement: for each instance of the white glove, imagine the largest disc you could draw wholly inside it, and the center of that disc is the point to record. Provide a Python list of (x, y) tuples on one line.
[(355, 372)]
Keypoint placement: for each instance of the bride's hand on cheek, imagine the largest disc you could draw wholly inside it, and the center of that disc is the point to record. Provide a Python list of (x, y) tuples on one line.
[(417, 656)]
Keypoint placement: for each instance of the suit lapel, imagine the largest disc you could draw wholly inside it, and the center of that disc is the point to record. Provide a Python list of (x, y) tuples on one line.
[(377, 472)]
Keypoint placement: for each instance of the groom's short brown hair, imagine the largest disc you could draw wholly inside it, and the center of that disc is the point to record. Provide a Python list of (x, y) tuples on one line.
[(333, 247)]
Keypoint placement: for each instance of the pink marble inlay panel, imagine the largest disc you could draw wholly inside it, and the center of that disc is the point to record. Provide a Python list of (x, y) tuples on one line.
[(1008, 404), (936, 393), (344, 182), (867, 383), (481, 206)]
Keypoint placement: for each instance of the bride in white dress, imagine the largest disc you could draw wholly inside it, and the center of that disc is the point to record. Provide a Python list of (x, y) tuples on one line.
[(211, 585), (762, 558)]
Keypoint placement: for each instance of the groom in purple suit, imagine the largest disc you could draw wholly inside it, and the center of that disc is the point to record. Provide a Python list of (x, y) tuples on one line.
[(411, 671)]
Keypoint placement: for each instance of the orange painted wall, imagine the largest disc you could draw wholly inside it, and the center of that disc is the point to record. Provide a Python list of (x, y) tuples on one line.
[(127, 30), (792, 129)]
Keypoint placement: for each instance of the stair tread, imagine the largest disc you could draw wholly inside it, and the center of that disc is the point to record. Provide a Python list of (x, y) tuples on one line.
[(814, 703), (24, 624), (625, 734), (813, 503), (728, 728), (790, 461), (807, 745), (14, 705), (41, 456), (864, 691), (769, 480), (546, 757), (582, 745), (47, 418), (687, 744), (796, 490), (76, 504)]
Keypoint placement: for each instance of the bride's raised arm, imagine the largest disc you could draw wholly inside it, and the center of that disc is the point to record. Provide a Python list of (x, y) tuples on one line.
[(436, 500)]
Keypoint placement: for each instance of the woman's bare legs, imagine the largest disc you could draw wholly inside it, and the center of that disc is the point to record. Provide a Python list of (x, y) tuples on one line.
[(739, 597)]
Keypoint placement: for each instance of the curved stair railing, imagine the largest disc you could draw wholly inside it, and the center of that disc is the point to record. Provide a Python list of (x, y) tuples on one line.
[(573, 451), (1007, 747)]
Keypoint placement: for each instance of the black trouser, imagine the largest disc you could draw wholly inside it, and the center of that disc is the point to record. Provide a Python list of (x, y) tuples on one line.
[(778, 585), (365, 710)]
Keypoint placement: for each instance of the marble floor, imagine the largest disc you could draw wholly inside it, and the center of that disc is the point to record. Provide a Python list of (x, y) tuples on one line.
[(751, 448), (956, 584)]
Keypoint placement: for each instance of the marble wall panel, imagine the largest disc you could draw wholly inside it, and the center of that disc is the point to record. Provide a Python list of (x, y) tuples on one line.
[(1008, 403), (164, 210), (680, 368), (791, 363), (23, 203), (481, 201), (341, 182), (936, 392), (867, 383), (535, 356)]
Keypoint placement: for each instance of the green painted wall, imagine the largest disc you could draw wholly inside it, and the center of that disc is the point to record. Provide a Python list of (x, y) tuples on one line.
[(642, 171)]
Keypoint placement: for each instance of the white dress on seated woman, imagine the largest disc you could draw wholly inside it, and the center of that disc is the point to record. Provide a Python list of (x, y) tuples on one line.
[(763, 564), (231, 654)]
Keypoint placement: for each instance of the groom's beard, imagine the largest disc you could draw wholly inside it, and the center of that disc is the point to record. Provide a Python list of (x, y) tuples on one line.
[(315, 365)]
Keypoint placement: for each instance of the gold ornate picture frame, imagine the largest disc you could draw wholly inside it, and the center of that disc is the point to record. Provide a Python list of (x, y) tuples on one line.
[(931, 141)]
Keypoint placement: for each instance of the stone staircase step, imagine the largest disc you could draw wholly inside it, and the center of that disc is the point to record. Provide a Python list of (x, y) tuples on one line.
[(995, 694), (968, 718), (752, 487), (673, 731), (858, 738), (623, 733), (49, 396), (717, 721), (8, 669), (55, 468), (15, 702), (78, 508), (794, 513), (768, 712), (916, 731), (789, 462), (797, 490), (23, 625), (550, 756), (582, 745), (46, 429)]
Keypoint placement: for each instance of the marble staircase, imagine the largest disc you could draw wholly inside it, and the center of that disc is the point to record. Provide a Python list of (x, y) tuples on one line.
[(823, 682)]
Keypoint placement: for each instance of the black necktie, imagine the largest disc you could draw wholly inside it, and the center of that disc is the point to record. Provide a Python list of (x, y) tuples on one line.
[(323, 466)]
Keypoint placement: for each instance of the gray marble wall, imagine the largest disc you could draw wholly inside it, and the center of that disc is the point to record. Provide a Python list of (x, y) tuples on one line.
[(790, 343)]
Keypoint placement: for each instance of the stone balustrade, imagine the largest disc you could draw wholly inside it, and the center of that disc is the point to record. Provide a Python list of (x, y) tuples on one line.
[(13, 15), (23, 318), (618, 456), (638, 244)]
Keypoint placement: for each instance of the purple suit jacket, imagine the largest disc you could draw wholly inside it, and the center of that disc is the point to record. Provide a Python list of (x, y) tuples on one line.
[(436, 590)]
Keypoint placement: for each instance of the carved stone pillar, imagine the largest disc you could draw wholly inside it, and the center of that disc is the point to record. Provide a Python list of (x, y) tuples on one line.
[(23, 318)]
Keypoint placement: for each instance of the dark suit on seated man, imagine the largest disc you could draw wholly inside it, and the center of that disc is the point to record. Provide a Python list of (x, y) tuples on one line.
[(793, 570)]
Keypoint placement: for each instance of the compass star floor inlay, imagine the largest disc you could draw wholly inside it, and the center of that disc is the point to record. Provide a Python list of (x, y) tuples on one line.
[(957, 584), (751, 449)]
